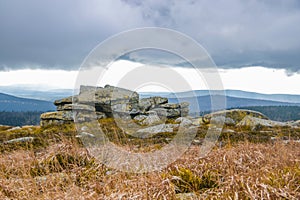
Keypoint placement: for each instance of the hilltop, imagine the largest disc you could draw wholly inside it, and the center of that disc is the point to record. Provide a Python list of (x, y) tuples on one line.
[(278, 107), (51, 162), (56, 160)]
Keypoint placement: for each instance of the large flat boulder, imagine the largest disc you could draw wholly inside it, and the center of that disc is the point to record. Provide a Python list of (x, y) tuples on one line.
[(108, 99), (78, 107), (58, 115), (148, 120), (254, 122), (233, 116), (106, 95), (67, 100)]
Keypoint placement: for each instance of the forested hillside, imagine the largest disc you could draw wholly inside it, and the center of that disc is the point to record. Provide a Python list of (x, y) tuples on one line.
[(278, 113), (20, 118), (13, 104)]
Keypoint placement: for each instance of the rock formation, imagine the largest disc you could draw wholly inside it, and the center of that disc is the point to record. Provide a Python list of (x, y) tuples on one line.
[(254, 123), (93, 103), (231, 117), (244, 118), (98, 102)]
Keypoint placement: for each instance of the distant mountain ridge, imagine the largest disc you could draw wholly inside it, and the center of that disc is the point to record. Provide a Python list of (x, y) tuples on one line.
[(11, 103), (289, 98), (234, 99), (200, 100), (53, 94), (198, 105), (31, 93), (203, 103)]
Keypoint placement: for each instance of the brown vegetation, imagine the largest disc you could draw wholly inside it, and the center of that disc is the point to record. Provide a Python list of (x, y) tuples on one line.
[(56, 166)]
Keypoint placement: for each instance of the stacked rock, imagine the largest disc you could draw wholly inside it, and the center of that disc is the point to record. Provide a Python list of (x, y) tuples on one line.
[(66, 110), (155, 109), (97, 102)]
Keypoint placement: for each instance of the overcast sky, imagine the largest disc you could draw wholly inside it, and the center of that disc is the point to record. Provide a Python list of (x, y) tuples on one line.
[(58, 34)]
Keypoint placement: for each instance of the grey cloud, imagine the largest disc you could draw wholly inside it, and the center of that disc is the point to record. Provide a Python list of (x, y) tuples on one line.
[(237, 33), (58, 34)]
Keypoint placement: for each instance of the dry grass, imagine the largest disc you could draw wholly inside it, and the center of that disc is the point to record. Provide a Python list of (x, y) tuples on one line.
[(248, 171), (61, 168)]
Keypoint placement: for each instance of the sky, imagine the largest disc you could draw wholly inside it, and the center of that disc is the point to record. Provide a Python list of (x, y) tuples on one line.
[(254, 79), (45, 42)]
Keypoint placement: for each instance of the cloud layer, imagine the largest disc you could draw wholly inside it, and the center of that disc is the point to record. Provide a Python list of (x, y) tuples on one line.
[(59, 34)]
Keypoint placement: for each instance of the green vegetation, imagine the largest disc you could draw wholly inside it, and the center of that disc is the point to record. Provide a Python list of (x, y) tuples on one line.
[(43, 137), (185, 181)]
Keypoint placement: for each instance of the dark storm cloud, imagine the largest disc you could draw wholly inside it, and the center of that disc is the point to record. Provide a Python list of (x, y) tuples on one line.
[(58, 34), (237, 33)]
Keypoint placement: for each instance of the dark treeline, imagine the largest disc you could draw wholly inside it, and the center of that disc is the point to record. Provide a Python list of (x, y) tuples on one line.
[(20, 118), (278, 113)]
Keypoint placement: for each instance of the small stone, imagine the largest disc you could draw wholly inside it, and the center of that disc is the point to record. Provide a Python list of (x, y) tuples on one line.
[(15, 128), (228, 131), (22, 139), (151, 119), (196, 141), (183, 121), (84, 128), (85, 134), (186, 196)]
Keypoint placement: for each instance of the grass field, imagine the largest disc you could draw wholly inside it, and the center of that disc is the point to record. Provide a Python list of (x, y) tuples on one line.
[(55, 165)]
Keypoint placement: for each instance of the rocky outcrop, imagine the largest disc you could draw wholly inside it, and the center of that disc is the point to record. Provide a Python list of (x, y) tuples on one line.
[(98, 102), (148, 120), (184, 121), (58, 117), (242, 118), (231, 117), (255, 123), (294, 123)]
